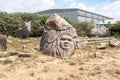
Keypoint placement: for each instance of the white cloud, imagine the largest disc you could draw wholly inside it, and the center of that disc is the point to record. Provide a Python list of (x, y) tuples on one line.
[(73, 4), (83, 6), (113, 5), (25, 5), (108, 8), (112, 9)]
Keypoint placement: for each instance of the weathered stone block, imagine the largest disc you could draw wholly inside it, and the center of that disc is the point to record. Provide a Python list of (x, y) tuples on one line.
[(3, 42), (99, 32)]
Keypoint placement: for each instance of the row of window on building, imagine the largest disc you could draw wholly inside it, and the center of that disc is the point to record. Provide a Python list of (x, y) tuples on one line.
[(80, 18)]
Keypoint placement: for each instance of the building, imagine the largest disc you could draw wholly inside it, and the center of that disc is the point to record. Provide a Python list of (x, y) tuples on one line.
[(76, 14), (111, 21), (108, 22)]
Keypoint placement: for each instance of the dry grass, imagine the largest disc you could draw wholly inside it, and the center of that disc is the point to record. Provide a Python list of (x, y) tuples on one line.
[(85, 64)]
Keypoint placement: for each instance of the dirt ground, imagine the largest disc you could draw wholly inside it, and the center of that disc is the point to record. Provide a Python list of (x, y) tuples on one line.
[(85, 64)]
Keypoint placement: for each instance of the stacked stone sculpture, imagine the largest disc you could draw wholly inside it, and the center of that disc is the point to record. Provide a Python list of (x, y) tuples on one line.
[(59, 38), (3, 42), (24, 32)]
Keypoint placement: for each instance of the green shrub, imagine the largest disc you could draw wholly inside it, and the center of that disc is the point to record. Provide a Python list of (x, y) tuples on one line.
[(82, 27), (10, 22)]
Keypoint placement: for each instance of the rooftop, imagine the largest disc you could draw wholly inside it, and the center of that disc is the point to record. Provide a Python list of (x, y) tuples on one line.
[(70, 9)]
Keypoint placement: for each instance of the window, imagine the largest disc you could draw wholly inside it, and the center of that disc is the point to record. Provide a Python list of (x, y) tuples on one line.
[(89, 15), (82, 13), (95, 16), (80, 18), (88, 19)]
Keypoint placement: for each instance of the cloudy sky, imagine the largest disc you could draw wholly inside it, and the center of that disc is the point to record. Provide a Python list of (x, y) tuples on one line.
[(110, 8)]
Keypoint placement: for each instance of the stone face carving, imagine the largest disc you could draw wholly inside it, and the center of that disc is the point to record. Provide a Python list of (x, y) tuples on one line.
[(24, 32), (99, 32), (59, 38), (3, 42), (66, 42)]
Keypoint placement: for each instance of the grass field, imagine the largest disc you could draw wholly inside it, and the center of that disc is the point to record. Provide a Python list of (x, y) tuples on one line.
[(85, 64)]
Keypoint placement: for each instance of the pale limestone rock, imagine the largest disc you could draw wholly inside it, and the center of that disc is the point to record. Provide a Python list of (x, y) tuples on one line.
[(99, 32), (114, 42), (102, 46)]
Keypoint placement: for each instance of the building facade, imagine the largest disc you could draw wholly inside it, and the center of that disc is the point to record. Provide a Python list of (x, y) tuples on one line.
[(76, 15)]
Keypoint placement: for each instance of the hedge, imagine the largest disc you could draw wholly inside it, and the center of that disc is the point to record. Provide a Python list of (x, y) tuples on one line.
[(10, 22)]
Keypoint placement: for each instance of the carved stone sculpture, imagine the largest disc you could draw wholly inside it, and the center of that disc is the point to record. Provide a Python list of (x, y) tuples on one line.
[(3, 42), (59, 38), (24, 32)]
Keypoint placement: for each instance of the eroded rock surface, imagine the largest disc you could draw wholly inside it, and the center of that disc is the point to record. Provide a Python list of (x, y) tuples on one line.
[(59, 38), (3, 42), (99, 32)]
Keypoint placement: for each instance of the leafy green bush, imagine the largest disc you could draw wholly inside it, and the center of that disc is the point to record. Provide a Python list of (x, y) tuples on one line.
[(115, 29), (37, 22), (9, 23), (82, 27)]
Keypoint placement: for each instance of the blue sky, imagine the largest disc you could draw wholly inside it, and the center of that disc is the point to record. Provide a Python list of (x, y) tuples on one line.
[(109, 8)]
